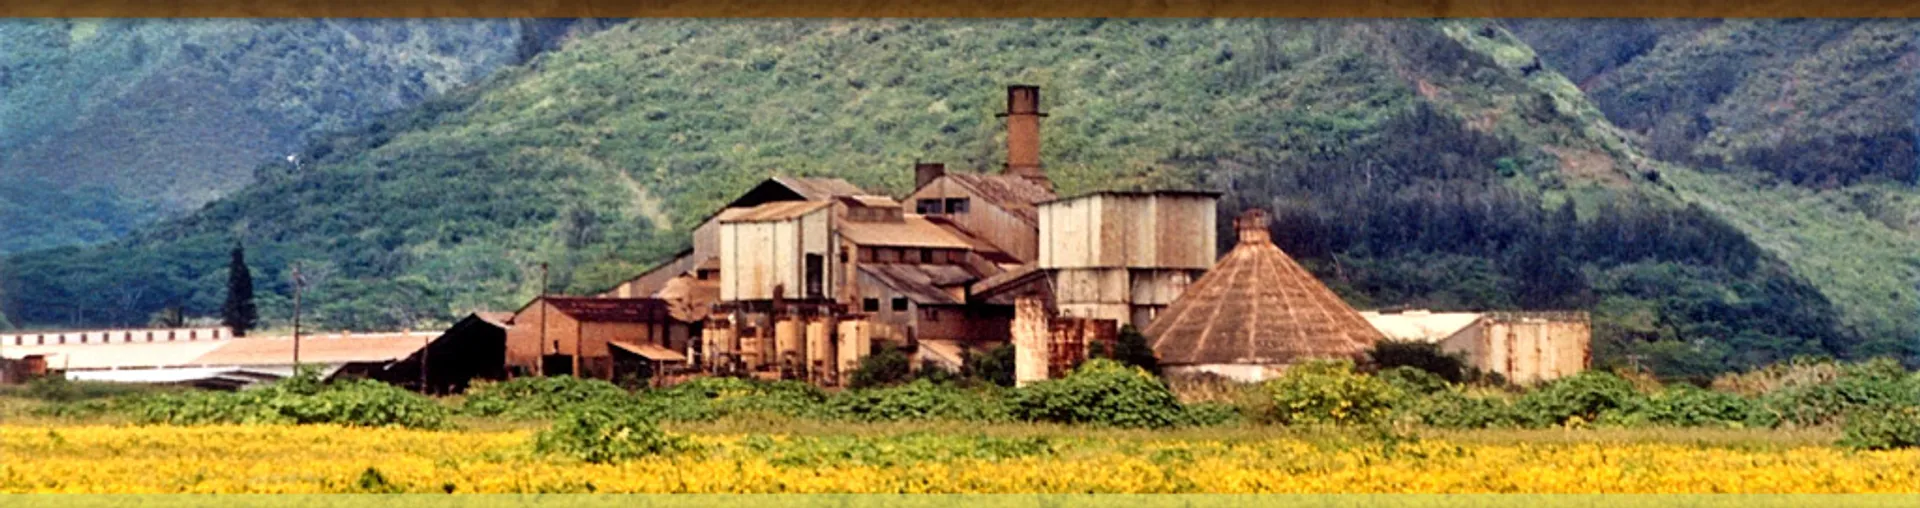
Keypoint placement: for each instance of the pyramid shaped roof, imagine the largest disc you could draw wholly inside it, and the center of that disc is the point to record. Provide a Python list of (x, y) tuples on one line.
[(1258, 306)]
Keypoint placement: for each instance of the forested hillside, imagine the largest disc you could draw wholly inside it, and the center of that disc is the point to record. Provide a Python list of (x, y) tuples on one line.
[(1433, 164), (111, 124), (1804, 132)]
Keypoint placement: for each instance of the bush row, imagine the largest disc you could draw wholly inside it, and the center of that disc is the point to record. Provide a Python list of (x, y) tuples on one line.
[(1099, 392)]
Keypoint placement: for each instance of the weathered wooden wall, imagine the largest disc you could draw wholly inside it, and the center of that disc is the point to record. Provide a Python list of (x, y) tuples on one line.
[(756, 257), (524, 339), (984, 218), (1127, 230)]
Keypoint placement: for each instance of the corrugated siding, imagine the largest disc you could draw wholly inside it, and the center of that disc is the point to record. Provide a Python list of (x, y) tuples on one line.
[(1138, 231), (757, 256)]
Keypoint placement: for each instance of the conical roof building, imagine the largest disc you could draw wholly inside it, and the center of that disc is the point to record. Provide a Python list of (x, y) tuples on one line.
[(1255, 312)]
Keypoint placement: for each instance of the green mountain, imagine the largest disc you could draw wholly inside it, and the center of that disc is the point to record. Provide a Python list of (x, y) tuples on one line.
[(112, 124), (1437, 164), (1803, 131)]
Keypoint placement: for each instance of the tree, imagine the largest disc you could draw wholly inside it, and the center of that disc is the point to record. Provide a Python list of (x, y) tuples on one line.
[(239, 312), (1131, 348), (885, 367)]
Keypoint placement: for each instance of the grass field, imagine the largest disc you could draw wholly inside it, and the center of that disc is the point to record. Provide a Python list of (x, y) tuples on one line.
[(100, 454)]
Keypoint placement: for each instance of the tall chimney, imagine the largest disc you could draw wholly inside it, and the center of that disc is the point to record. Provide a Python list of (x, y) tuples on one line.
[(925, 172), (1023, 134)]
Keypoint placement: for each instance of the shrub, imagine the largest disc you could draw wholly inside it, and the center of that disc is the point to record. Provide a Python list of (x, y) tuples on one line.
[(1131, 348), (302, 399), (993, 366), (1101, 392), (888, 366), (1454, 409), (1424, 356), (1872, 386), (710, 398), (541, 397), (600, 434), (1412, 381), (1882, 430), (1686, 405), (1208, 414), (1329, 392), (1575, 400), (918, 400)]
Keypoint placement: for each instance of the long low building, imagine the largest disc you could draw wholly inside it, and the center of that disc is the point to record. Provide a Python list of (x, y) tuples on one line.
[(223, 361)]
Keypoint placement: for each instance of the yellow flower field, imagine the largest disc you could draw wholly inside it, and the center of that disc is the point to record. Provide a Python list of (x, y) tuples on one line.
[(288, 459)]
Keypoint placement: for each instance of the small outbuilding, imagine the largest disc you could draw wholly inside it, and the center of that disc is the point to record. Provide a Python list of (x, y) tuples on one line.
[(1523, 347)]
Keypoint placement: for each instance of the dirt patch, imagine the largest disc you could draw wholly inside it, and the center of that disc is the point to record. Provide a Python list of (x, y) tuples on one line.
[(1590, 165)]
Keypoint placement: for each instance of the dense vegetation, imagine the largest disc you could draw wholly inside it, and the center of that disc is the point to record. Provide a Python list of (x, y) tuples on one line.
[(114, 123), (1807, 127), (1435, 164), (1875, 403)]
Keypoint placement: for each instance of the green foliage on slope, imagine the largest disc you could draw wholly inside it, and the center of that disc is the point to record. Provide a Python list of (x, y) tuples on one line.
[(115, 123), (1804, 131)]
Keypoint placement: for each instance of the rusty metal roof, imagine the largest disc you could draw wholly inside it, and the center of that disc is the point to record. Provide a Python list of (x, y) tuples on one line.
[(775, 211), (818, 188), (980, 246), (1138, 193), (872, 201), (920, 283), (988, 289), (1258, 306), (913, 231), (1015, 194), (318, 348), (609, 310), (650, 351), (500, 319)]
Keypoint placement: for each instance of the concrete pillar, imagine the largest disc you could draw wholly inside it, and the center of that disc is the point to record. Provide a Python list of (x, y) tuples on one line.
[(1030, 331), (854, 345)]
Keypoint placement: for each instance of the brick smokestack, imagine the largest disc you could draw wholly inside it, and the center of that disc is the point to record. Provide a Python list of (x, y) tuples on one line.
[(1252, 226), (1023, 134), (924, 172)]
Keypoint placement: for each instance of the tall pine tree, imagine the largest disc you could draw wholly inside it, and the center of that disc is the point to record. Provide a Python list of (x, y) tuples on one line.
[(239, 312)]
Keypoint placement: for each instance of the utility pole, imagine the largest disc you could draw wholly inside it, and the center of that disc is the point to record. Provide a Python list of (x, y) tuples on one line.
[(426, 347), (543, 319), (296, 318)]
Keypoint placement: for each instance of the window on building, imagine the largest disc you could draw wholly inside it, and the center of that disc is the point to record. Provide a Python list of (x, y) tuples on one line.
[(957, 205), (930, 313), (870, 305), (926, 256), (816, 275), (899, 304), (927, 207), (866, 255)]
